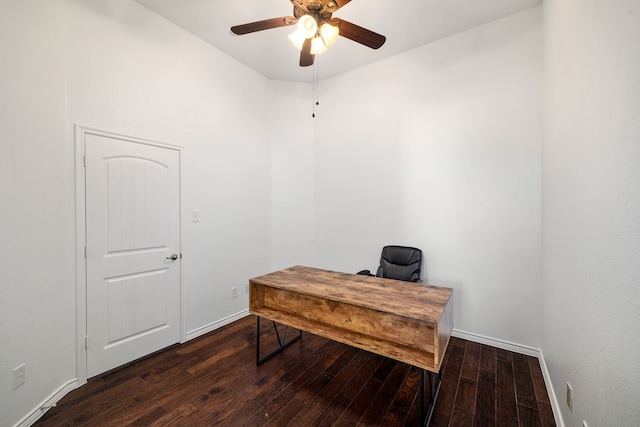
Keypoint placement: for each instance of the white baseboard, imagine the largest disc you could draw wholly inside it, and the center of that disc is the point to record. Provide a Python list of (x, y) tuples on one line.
[(522, 349), (47, 404), (215, 325), (493, 342), (552, 394)]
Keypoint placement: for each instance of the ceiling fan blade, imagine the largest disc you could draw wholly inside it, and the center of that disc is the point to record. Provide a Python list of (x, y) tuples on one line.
[(306, 57), (266, 24), (358, 34)]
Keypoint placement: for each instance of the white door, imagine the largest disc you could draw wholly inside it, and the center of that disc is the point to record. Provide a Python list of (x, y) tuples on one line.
[(133, 250)]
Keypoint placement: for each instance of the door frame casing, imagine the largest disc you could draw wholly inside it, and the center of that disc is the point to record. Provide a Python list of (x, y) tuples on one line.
[(80, 133)]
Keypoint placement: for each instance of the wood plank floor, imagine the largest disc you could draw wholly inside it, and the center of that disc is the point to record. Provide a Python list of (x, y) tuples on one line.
[(214, 380)]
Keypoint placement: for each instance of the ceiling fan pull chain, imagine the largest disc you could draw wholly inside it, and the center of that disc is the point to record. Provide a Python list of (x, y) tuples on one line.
[(315, 88), (317, 84)]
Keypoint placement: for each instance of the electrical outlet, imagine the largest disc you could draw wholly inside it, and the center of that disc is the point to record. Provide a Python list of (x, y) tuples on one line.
[(234, 292), (19, 376), (570, 397)]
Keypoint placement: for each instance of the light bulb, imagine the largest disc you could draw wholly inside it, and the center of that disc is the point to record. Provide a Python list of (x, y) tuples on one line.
[(317, 45), (297, 39), (329, 33), (308, 26)]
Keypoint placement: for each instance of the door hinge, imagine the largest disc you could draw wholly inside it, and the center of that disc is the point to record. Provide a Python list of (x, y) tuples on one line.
[(85, 252), (86, 343), (84, 160), (180, 255)]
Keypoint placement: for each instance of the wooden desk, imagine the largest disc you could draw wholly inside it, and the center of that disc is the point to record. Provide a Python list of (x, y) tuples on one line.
[(409, 322)]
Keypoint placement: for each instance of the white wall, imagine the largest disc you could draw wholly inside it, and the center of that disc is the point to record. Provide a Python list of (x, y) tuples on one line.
[(37, 282), (115, 66), (591, 208), (291, 139), (439, 148), (132, 72)]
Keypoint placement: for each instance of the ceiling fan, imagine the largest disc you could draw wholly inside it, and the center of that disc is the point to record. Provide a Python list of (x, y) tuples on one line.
[(317, 29)]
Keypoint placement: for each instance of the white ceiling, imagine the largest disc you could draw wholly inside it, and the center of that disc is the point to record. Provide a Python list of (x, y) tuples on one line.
[(406, 24)]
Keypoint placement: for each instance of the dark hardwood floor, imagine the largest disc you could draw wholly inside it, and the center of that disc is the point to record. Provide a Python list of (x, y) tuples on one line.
[(214, 380)]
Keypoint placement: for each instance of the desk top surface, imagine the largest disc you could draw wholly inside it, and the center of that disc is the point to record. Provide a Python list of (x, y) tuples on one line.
[(414, 300)]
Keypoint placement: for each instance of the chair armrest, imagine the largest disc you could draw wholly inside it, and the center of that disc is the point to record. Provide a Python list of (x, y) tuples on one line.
[(415, 277)]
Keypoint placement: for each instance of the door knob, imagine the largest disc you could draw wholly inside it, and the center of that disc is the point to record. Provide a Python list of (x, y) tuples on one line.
[(173, 257)]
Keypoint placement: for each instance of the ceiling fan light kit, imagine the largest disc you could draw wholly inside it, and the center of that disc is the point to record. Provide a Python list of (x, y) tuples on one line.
[(317, 46), (316, 29), (307, 26), (308, 29), (329, 33)]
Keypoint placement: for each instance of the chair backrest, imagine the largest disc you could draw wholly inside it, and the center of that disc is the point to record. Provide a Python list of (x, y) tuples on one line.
[(400, 263)]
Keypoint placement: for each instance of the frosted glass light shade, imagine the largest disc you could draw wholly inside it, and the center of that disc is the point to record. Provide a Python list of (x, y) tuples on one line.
[(297, 38), (329, 33), (308, 26), (317, 46), (319, 41)]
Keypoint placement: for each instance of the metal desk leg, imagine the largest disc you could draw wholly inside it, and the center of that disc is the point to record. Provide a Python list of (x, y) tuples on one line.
[(435, 379), (282, 342)]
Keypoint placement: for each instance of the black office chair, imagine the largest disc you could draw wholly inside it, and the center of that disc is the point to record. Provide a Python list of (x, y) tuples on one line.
[(400, 263)]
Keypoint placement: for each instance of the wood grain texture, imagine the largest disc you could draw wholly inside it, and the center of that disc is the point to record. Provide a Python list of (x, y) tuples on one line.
[(214, 380), (409, 322)]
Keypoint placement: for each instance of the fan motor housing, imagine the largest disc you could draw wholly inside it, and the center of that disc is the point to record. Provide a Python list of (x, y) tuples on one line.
[(315, 9)]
